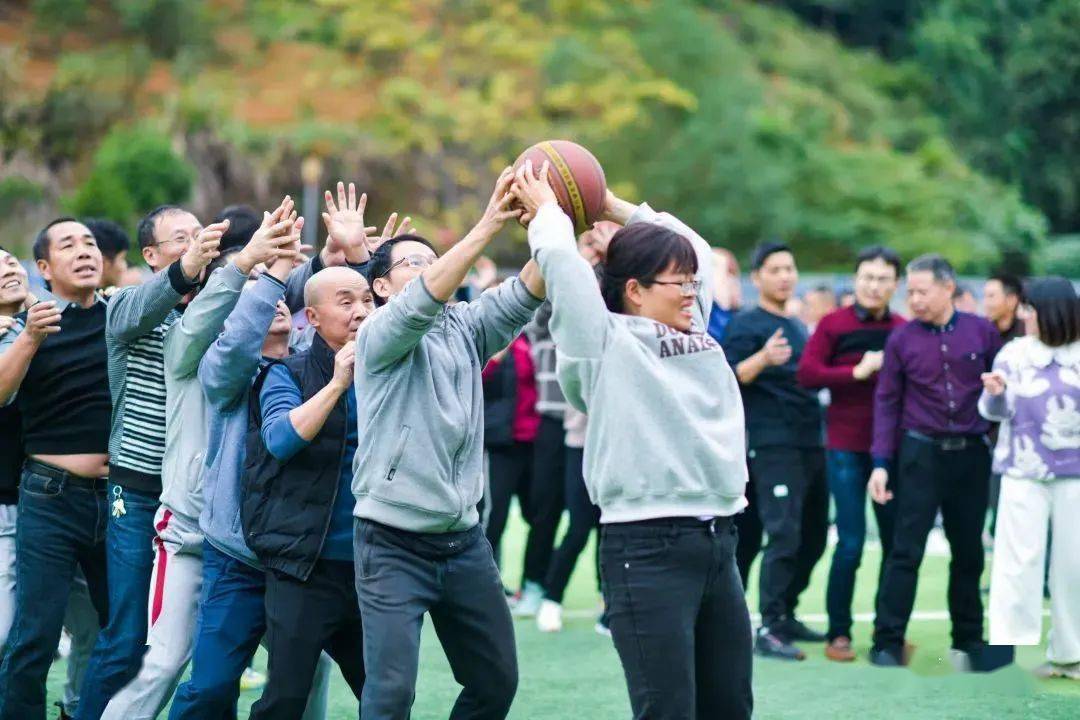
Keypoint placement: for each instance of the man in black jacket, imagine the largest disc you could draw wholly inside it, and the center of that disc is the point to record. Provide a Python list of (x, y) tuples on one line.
[(297, 505)]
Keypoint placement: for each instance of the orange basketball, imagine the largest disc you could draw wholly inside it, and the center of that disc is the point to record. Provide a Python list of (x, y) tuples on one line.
[(575, 176)]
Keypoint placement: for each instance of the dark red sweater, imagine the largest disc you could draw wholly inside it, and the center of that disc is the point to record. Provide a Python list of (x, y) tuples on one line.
[(837, 346)]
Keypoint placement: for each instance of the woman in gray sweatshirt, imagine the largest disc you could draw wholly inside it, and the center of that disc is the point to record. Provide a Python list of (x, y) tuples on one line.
[(664, 449)]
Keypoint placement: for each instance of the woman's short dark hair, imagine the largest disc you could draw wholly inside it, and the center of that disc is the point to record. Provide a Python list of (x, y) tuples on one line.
[(1056, 304), (381, 260), (641, 252)]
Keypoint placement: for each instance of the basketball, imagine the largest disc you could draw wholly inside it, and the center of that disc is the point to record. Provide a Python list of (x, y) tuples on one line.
[(575, 176)]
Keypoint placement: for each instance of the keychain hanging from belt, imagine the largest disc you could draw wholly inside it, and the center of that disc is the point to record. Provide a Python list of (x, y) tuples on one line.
[(118, 509)]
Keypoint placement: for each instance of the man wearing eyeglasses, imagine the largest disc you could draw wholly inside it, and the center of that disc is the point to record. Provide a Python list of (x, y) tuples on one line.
[(844, 355), (785, 454)]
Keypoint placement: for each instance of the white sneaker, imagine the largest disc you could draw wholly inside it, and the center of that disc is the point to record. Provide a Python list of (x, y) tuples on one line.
[(252, 679), (549, 617), (531, 597)]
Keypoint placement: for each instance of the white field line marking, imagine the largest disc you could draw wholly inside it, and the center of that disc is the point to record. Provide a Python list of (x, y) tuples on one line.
[(917, 616)]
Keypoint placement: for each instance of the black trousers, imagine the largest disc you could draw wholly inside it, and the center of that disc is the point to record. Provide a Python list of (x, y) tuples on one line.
[(748, 524), (584, 516), (793, 501), (451, 576), (678, 617), (510, 473), (302, 620), (546, 497), (957, 483)]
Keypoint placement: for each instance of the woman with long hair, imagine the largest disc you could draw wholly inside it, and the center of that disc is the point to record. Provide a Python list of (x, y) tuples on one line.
[(1034, 392), (664, 450)]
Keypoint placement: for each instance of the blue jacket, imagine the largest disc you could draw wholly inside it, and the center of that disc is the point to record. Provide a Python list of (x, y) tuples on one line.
[(226, 373)]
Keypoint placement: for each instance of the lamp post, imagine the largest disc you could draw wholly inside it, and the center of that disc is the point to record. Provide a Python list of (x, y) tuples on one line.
[(311, 172)]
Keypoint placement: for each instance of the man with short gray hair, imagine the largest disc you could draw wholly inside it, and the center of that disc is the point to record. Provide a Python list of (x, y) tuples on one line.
[(929, 436)]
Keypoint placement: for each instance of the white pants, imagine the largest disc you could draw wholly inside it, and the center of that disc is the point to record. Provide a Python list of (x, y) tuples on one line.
[(174, 601), (175, 587), (1026, 509)]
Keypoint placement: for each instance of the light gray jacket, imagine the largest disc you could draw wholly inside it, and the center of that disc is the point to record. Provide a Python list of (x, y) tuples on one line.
[(420, 404)]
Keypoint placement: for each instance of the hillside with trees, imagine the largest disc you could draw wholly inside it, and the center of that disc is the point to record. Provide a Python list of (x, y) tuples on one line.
[(949, 125)]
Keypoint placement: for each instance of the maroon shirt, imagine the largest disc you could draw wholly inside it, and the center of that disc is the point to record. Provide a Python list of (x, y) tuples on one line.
[(837, 345), (931, 380)]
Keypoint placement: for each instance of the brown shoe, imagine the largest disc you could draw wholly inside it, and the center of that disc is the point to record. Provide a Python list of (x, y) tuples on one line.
[(839, 650)]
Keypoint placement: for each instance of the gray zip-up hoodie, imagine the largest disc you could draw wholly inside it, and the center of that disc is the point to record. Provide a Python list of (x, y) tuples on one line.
[(420, 404), (665, 436), (186, 408)]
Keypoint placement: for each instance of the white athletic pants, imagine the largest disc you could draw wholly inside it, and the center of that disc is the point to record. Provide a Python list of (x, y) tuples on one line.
[(175, 587), (1026, 509)]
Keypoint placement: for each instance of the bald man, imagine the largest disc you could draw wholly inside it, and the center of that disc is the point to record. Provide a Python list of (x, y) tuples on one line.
[(297, 506)]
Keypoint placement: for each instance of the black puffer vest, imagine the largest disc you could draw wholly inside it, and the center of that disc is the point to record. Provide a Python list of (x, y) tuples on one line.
[(286, 507)]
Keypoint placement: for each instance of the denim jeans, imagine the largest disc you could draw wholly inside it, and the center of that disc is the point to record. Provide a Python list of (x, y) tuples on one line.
[(130, 552), (848, 474), (60, 525), (678, 617)]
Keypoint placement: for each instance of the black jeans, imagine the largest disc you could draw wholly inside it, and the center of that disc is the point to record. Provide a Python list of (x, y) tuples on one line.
[(584, 516), (304, 618), (546, 498), (678, 617), (452, 576), (848, 474), (957, 483), (748, 523), (510, 472), (61, 524), (793, 501)]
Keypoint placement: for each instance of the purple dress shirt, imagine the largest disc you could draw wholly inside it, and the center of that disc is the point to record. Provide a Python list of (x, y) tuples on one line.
[(930, 381)]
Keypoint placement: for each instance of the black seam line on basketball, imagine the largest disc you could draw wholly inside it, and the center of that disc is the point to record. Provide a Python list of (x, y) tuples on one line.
[(571, 185)]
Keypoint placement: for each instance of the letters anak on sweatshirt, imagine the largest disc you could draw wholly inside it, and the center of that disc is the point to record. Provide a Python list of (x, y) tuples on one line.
[(660, 392)]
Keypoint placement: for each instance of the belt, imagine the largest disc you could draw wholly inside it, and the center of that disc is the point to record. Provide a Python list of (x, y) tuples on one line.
[(39, 468), (713, 525), (949, 443)]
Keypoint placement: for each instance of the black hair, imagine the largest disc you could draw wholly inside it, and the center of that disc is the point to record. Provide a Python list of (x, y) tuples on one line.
[(244, 220), (961, 290), (935, 264), (112, 239), (641, 252), (145, 231), (879, 252), (1057, 307), (41, 242), (1011, 284), (764, 250), (381, 260)]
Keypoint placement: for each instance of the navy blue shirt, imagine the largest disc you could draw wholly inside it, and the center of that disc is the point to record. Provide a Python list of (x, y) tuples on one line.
[(279, 395)]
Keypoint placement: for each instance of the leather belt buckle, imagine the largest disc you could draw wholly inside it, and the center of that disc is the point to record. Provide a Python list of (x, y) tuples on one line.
[(952, 444)]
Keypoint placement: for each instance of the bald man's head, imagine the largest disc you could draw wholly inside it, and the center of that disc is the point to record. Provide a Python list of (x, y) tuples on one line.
[(337, 300)]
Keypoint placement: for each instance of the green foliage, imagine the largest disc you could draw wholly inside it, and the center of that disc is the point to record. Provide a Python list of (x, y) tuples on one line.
[(1060, 256), (16, 191), (134, 170)]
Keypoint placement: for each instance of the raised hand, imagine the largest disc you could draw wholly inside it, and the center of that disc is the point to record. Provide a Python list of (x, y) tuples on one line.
[(390, 231), (271, 240), (498, 209), (289, 254), (532, 191), (203, 249), (345, 222), (42, 320), (777, 350)]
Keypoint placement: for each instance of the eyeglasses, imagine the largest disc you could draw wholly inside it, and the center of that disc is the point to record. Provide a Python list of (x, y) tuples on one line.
[(413, 261), (686, 287), (182, 241)]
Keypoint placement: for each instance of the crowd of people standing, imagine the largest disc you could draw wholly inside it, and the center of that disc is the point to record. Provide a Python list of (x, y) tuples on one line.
[(253, 446)]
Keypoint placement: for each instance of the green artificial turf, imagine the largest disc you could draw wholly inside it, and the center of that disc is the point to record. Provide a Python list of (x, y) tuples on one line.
[(576, 674)]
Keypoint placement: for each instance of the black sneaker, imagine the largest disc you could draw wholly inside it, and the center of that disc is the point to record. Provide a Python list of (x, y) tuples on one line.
[(63, 713), (980, 657), (773, 645), (794, 630), (884, 657)]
